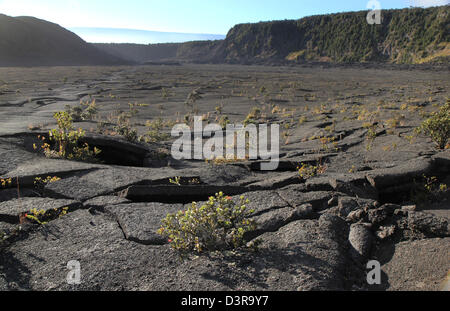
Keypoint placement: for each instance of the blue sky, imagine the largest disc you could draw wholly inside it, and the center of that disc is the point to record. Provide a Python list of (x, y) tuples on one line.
[(186, 16)]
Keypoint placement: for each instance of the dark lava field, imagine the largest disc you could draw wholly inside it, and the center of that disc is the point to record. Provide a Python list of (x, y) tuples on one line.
[(378, 191)]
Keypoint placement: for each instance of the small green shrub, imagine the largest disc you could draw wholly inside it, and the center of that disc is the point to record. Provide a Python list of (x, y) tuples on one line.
[(428, 189), (42, 217), (40, 183), (5, 182), (219, 224), (65, 141), (155, 131), (123, 128), (192, 98), (307, 171), (85, 111), (176, 181), (437, 126), (371, 135), (224, 121), (253, 116)]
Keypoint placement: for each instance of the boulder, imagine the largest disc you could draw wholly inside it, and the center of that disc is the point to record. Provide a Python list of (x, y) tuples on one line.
[(360, 238)]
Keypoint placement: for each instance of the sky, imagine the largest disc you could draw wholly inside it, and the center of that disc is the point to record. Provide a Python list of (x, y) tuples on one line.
[(185, 16)]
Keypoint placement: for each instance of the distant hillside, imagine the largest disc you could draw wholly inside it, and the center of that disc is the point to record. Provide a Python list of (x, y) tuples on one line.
[(117, 35), (140, 53), (408, 36), (193, 51), (405, 36), (28, 41)]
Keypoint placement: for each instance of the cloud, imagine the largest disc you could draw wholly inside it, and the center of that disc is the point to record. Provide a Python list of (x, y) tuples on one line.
[(428, 3)]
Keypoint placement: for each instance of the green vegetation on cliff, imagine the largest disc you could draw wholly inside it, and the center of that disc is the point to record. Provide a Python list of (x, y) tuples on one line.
[(404, 36)]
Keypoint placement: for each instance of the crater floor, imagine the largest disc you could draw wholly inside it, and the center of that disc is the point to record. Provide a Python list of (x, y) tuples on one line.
[(368, 200)]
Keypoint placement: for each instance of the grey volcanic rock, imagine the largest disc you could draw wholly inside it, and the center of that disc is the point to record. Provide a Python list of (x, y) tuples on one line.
[(318, 184), (360, 239), (295, 197), (308, 254), (428, 224), (357, 215), (102, 182), (379, 215), (9, 194), (40, 166), (100, 202), (357, 188), (385, 232), (40, 261), (17, 206), (11, 156), (263, 201), (224, 175), (278, 180), (418, 266), (403, 173), (273, 220), (140, 221), (348, 204), (304, 255)]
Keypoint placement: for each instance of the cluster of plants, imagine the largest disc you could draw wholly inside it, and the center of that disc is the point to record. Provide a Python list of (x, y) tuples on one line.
[(42, 217), (428, 189), (191, 100), (371, 135), (437, 126), (5, 182), (175, 181), (224, 121), (328, 143), (122, 123), (155, 131), (124, 128), (40, 183), (219, 224), (84, 111), (307, 171), (227, 159), (64, 141), (165, 94), (253, 116), (302, 120)]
